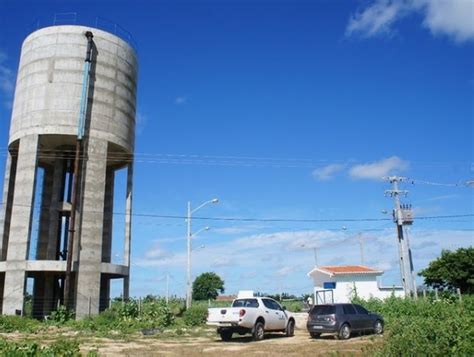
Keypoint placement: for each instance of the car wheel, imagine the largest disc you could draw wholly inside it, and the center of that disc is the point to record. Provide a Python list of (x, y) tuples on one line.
[(378, 327), (315, 334), (226, 335), (258, 332), (290, 328), (344, 332)]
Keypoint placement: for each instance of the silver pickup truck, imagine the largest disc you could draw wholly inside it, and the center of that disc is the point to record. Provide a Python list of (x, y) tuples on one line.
[(255, 315)]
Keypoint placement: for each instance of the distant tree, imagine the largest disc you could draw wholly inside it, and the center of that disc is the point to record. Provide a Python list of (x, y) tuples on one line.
[(284, 296), (207, 286), (452, 270)]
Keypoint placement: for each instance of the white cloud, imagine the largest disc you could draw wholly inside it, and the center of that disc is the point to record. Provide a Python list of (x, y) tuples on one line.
[(376, 19), (222, 262), (276, 260), (285, 271), (327, 172), (158, 253), (180, 100), (140, 123), (7, 80), (237, 230), (440, 198), (452, 18), (376, 170)]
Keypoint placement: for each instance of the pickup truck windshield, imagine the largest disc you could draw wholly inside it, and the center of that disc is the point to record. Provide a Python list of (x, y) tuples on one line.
[(245, 303)]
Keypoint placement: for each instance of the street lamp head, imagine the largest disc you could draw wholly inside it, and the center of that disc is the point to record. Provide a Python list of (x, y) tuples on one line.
[(215, 200)]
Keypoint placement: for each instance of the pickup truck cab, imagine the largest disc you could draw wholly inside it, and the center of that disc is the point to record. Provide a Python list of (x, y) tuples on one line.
[(255, 315)]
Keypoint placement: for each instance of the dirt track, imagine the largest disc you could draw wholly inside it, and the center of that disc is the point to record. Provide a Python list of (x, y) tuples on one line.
[(211, 345)]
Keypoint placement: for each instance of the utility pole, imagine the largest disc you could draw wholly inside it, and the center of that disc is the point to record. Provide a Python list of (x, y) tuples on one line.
[(402, 215), (189, 236), (361, 243), (167, 287), (315, 256), (413, 275)]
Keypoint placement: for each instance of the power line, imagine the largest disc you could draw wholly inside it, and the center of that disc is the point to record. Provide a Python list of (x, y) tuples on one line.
[(222, 160), (247, 219)]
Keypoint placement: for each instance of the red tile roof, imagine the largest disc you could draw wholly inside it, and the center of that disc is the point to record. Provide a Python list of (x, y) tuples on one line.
[(349, 269), (225, 297)]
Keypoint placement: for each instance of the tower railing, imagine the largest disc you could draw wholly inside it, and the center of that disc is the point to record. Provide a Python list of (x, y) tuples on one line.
[(73, 18)]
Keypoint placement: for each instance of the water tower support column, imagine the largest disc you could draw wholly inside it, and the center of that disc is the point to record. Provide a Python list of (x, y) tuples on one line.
[(20, 225)]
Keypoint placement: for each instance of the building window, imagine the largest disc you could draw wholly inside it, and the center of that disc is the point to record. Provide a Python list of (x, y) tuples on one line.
[(329, 285)]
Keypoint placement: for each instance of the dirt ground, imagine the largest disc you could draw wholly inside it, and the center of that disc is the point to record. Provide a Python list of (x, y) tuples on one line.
[(209, 344)]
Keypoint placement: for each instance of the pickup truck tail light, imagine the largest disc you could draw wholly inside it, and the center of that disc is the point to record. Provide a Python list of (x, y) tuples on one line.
[(242, 312)]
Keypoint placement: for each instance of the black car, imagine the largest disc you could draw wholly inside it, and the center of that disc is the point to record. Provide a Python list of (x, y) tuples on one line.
[(342, 319)]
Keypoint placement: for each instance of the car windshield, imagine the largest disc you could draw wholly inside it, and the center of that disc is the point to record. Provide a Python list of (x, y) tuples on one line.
[(245, 303), (323, 310)]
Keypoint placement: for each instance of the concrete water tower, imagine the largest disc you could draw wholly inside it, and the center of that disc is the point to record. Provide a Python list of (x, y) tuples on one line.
[(72, 127)]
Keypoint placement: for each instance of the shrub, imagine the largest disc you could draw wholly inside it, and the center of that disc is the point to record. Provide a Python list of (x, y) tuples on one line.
[(14, 349), (128, 310), (127, 317), (195, 315), (61, 315), (157, 314), (64, 348), (177, 306), (18, 323), (425, 327)]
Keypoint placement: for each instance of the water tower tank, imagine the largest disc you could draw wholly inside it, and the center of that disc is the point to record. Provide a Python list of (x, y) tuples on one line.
[(39, 177)]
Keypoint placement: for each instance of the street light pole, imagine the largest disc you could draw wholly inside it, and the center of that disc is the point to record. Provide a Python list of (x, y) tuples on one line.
[(315, 256), (189, 290), (361, 243)]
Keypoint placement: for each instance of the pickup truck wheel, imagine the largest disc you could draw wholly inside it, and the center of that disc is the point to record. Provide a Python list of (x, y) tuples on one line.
[(258, 331), (290, 329), (315, 334), (344, 332), (226, 335)]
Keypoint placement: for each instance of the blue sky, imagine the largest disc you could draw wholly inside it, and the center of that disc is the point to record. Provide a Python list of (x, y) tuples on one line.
[(284, 109)]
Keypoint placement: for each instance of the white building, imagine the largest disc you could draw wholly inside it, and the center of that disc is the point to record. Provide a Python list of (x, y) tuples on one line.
[(341, 283)]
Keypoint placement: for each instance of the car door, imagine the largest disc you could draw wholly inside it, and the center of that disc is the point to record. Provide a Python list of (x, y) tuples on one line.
[(271, 318), (280, 314), (364, 317), (350, 315)]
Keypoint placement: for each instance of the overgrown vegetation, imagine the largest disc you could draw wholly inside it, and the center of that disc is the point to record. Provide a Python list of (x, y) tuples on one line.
[(20, 324), (129, 317), (425, 327), (196, 315), (62, 347)]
